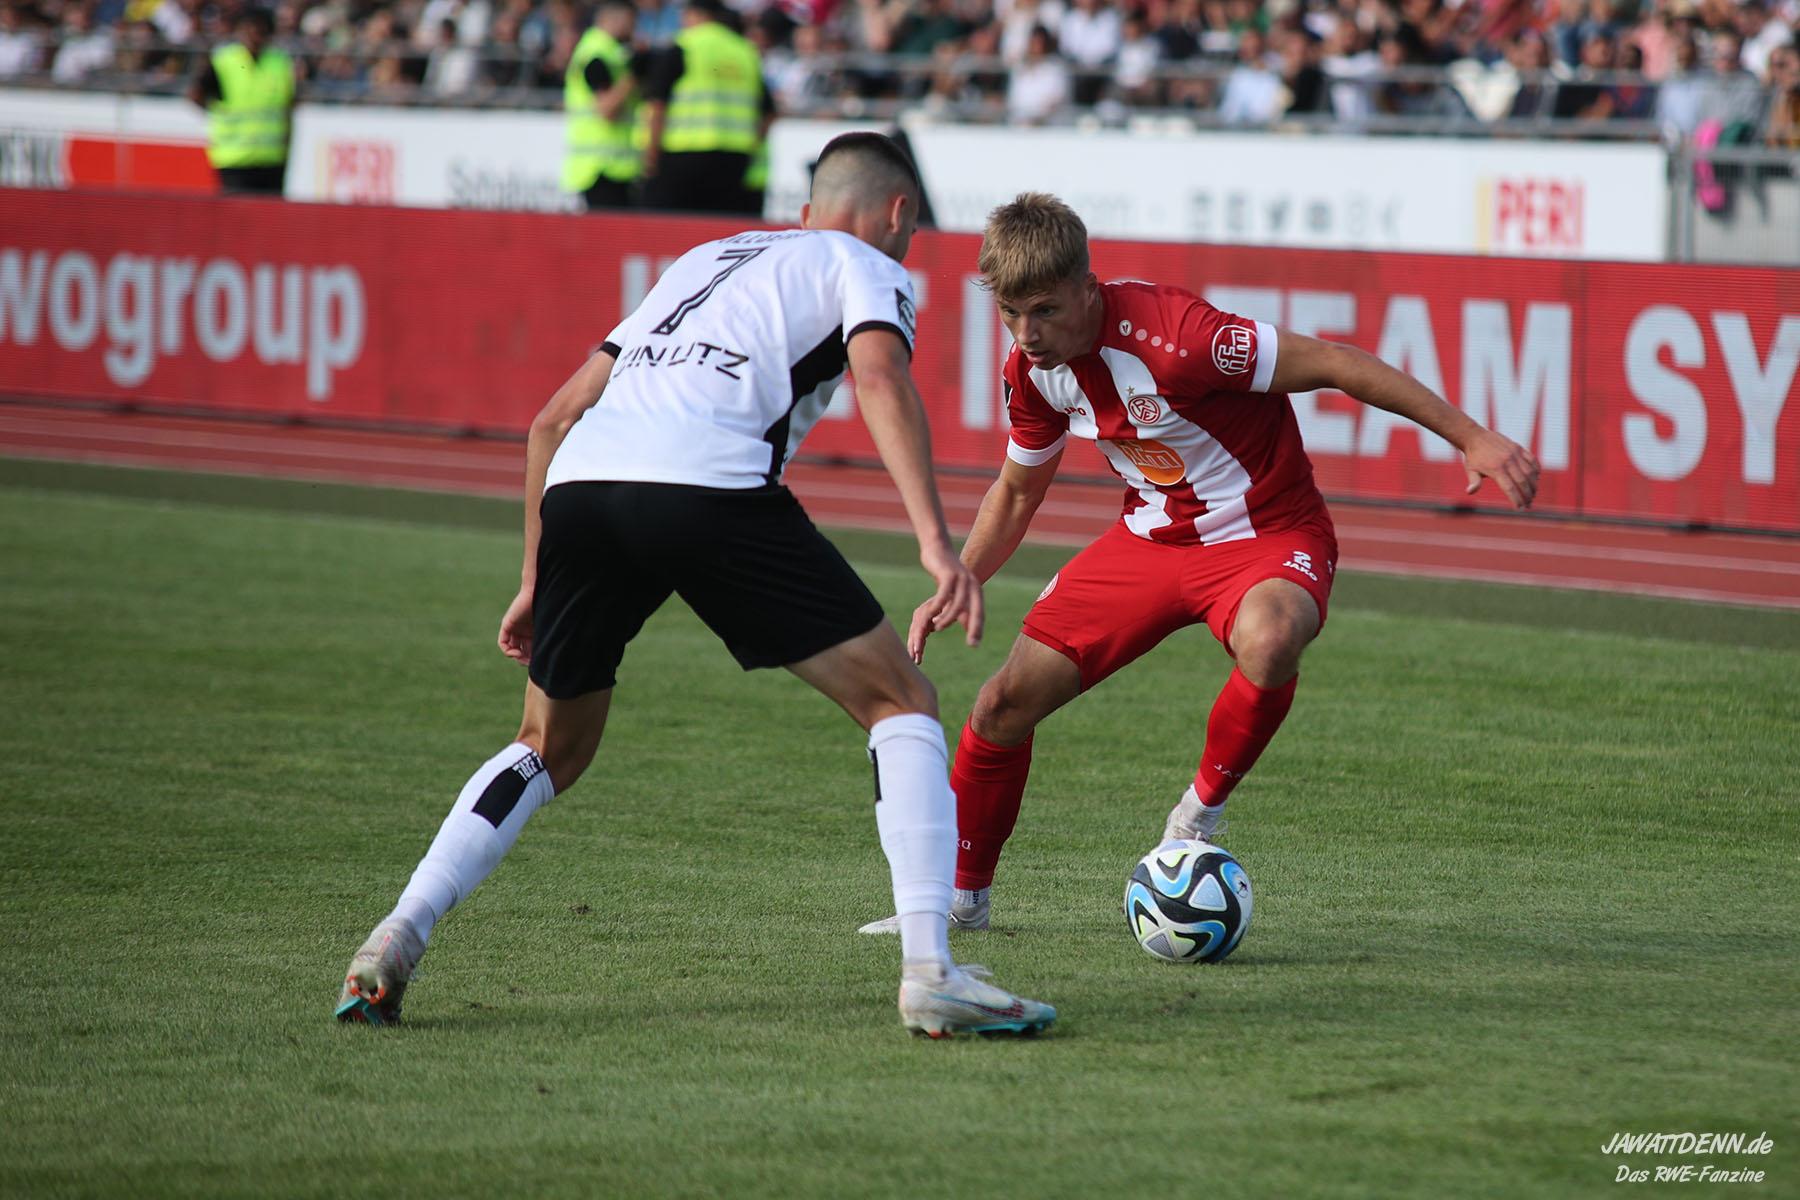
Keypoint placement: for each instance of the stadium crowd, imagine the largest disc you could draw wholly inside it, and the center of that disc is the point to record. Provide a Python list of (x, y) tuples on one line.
[(1726, 68)]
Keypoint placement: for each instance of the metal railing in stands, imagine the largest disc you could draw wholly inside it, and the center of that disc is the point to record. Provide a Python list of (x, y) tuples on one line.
[(1410, 100)]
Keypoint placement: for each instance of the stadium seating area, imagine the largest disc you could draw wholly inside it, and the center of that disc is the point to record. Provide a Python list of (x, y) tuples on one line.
[(1589, 67)]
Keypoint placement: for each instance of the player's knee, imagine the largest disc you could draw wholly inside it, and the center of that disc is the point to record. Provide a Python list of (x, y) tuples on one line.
[(1001, 715), (1268, 649)]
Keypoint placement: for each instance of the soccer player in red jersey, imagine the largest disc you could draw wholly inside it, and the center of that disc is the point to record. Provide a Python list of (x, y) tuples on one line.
[(1221, 524)]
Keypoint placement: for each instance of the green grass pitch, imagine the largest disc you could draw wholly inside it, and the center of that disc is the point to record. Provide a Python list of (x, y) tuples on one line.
[(1526, 869)]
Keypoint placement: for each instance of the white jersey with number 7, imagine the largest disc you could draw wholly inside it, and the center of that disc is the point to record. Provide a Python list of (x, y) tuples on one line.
[(732, 358)]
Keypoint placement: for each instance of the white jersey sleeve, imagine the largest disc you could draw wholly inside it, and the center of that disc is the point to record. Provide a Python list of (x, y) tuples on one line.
[(878, 294)]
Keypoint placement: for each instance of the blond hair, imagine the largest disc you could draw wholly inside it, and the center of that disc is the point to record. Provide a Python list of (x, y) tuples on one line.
[(1031, 245)]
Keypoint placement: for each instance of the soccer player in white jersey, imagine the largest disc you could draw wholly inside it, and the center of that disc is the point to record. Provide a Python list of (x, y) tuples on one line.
[(1221, 522), (656, 469)]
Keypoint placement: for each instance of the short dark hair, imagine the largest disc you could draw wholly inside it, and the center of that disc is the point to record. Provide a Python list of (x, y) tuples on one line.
[(876, 145), (262, 18)]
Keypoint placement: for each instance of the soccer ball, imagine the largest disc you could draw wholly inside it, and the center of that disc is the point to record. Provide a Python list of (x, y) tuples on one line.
[(1188, 902)]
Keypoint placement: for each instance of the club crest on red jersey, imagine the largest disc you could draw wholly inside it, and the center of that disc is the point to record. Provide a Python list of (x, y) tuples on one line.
[(1233, 348), (1145, 410)]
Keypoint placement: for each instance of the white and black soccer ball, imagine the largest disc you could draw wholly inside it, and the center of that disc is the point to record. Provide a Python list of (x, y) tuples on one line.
[(1188, 902)]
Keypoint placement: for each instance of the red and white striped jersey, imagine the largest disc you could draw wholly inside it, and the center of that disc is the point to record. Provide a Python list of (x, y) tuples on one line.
[(1175, 396)]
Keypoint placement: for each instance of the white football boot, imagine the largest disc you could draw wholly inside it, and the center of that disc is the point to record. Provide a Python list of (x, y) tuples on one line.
[(943, 1002), (970, 914), (378, 975), (1192, 821)]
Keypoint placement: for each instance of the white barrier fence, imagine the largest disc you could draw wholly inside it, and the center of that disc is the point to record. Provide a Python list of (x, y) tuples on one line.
[(1444, 195)]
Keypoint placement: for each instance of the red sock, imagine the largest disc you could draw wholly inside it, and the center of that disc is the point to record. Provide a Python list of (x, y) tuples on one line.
[(989, 782), (1243, 719)]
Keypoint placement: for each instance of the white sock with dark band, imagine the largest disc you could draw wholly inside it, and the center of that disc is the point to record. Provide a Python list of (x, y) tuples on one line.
[(915, 812), (481, 828)]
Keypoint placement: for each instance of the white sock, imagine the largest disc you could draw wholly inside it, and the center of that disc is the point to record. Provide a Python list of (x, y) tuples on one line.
[(916, 815), (481, 828), (1203, 817)]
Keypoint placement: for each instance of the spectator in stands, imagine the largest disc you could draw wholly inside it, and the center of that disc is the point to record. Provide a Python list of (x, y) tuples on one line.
[(1499, 26), (1586, 97), (1402, 50), (83, 50), (959, 85), (928, 25), (1039, 89), (248, 90), (1090, 34), (172, 19), (1348, 61), (1436, 24), (1680, 95), (795, 76), (1020, 20), (1529, 56), (1178, 35), (1732, 96), (503, 60), (1090, 38), (1760, 35), (1253, 92), (872, 25), (1139, 55), (1655, 38), (1781, 127), (1565, 30), (1301, 75), (451, 68), (21, 47), (564, 34)]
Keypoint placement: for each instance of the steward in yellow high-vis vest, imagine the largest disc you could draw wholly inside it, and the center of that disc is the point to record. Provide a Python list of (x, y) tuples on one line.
[(605, 136), (707, 112), (247, 91)]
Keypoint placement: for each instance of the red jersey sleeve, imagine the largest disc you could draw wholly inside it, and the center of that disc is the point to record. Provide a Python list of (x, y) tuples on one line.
[(1219, 352), (1039, 431)]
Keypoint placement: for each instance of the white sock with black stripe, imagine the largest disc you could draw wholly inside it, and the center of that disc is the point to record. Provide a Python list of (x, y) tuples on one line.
[(481, 828), (915, 812)]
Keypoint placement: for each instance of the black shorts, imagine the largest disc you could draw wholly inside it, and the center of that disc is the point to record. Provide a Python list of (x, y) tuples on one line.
[(749, 563)]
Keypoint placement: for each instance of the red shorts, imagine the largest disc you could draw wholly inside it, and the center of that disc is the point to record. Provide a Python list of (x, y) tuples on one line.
[(1122, 595)]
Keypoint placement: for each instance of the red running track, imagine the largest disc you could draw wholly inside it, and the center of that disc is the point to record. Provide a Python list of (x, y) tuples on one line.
[(1704, 566)]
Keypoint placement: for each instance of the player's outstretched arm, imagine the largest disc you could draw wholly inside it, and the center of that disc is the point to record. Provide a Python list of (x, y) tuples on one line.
[(548, 429), (1000, 526), (1303, 363), (895, 417)]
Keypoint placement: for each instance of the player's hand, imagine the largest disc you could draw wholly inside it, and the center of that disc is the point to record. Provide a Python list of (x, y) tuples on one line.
[(516, 628), (920, 629), (957, 600), (1510, 465)]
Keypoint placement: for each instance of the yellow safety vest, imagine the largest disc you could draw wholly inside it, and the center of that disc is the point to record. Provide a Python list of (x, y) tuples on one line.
[(717, 102), (597, 148), (247, 126)]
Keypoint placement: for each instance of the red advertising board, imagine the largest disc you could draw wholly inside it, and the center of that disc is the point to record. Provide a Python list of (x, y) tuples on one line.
[(1653, 392)]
